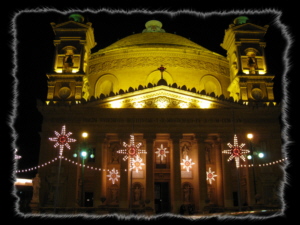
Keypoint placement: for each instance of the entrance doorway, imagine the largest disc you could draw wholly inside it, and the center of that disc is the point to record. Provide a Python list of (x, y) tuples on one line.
[(162, 199)]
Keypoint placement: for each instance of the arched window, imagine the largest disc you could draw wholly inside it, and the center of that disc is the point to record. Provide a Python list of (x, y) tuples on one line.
[(210, 84), (106, 84)]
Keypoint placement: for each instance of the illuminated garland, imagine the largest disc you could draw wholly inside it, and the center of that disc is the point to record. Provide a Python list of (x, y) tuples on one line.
[(62, 139), (113, 175), (187, 163), (131, 150), (210, 175), (136, 163), (17, 156), (36, 167), (265, 164), (236, 151), (161, 152), (99, 169)]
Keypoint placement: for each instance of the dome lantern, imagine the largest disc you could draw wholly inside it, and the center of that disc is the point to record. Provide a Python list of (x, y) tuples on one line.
[(240, 20), (153, 26)]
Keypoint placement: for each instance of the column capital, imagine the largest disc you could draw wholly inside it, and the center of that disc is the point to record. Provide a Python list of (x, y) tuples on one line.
[(175, 136), (124, 136), (200, 137), (149, 136), (100, 136), (228, 137)]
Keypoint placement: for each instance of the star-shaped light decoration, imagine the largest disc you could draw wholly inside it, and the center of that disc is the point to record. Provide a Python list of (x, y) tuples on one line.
[(17, 156), (161, 152), (187, 163), (62, 139), (210, 176), (136, 163), (131, 150), (236, 152), (113, 175)]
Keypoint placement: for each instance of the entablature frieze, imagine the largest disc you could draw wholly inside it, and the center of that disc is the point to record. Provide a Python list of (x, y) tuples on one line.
[(214, 66), (155, 120)]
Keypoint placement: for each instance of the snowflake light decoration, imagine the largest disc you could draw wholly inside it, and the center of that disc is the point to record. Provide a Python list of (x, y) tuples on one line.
[(161, 152), (62, 139), (113, 175), (131, 150), (17, 156), (210, 176), (236, 152), (136, 163), (187, 163)]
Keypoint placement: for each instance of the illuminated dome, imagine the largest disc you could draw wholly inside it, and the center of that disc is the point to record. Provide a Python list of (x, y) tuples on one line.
[(154, 38), (134, 61)]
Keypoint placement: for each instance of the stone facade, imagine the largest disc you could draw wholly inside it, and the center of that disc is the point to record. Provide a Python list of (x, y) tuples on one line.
[(120, 93)]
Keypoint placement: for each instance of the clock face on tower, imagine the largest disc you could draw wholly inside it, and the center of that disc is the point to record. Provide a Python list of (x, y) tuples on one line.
[(257, 93), (64, 92)]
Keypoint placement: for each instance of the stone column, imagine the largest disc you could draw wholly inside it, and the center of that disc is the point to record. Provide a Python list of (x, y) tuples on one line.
[(82, 53), (125, 179), (202, 171), (55, 57), (227, 177), (100, 175), (262, 47), (219, 178), (239, 57), (175, 187), (149, 170)]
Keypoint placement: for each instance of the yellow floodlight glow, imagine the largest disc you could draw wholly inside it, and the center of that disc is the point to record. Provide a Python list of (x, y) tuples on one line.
[(204, 104), (162, 103), (183, 105), (116, 104), (261, 72), (138, 104)]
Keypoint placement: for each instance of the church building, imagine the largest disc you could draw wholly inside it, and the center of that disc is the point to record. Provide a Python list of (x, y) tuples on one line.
[(156, 123)]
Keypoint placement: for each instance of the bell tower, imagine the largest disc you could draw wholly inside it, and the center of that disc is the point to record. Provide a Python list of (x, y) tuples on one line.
[(249, 79), (73, 42)]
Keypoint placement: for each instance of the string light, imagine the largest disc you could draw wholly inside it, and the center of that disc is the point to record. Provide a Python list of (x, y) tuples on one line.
[(113, 175), (265, 164), (187, 163), (62, 139), (136, 163), (131, 150), (17, 156), (236, 151), (161, 152), (100, 169), (210, 176)]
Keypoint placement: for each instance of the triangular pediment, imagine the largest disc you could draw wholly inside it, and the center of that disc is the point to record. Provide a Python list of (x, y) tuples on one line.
[(163, 97), (69, 25), (250, 27)]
